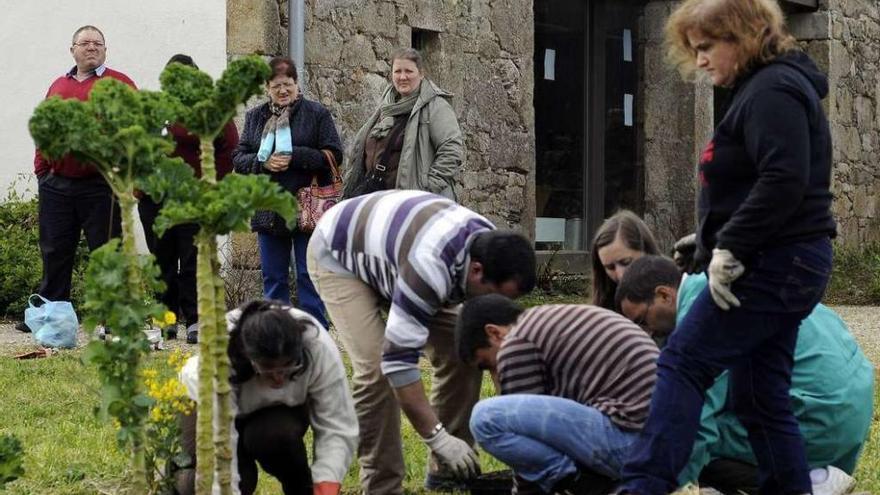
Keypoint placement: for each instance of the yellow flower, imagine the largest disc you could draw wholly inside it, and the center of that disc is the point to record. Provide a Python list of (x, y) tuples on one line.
[(170, 318), (177, 359)]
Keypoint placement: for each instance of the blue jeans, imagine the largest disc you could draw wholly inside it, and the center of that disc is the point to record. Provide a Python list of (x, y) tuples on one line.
[(756, 343), (275, 252), (545, 438)]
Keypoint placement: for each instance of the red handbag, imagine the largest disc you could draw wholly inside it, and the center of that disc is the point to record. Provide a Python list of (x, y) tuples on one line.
[(314, 200)]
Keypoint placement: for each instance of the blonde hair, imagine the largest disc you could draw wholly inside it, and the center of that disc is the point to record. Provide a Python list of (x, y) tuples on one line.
[(756, 27)]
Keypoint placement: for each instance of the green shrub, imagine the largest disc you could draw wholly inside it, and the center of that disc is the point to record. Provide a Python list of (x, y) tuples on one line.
[(855, 278), (11, 458), (20, 263)]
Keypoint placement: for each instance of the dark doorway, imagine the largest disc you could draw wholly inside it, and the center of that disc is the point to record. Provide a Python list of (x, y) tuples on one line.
[(560, 111), (586, 117)]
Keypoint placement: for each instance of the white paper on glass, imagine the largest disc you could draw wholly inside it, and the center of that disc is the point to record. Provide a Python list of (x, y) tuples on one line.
[(627, 46), (628, 110), (550, 64)]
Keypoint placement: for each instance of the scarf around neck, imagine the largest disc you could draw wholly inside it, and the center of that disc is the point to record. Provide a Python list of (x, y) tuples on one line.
[(276, 133), (391, 109)]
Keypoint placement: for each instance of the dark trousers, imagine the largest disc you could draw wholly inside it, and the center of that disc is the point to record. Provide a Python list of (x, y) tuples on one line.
[(176, 255), (275, 252), (67, 208), (273, 437), (756, 343)]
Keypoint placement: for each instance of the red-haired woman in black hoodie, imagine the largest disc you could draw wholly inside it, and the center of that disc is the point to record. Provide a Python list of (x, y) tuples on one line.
[(765, 229)]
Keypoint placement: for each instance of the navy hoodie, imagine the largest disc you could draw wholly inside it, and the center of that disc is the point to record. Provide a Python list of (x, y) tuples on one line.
[(765, 176)]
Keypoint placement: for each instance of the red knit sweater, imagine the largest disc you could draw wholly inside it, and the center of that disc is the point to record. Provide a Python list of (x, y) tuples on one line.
[(188, 148), (66, 87)]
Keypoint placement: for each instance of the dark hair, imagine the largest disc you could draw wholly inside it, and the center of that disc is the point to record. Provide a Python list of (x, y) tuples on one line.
[(410, 54), (87, 27), (470, 330), (282, 66), (643, 276), (265, 330), (505, 255), (180, 58), (634, 233)]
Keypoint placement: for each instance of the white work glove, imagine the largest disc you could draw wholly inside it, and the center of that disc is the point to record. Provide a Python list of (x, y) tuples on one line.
[(723, 270), (455, 453)]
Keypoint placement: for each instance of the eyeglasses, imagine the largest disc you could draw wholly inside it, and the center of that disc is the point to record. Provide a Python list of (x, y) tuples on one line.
[(285, 371), (96, 44), (284, 85)]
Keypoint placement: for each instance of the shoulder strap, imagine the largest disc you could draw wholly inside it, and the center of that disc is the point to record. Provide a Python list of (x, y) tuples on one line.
[(334, 167), (396, 131)]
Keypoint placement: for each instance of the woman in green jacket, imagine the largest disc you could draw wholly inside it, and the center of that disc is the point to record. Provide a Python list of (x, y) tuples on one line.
[(412, 141)]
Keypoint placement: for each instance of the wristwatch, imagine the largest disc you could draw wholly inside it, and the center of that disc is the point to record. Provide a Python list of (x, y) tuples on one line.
[(436, 430)]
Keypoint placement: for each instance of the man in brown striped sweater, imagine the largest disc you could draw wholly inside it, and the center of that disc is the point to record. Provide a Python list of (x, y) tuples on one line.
[(576, 384)]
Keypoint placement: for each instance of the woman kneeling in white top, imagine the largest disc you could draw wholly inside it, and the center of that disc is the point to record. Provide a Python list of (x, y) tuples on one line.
[(287, 376)]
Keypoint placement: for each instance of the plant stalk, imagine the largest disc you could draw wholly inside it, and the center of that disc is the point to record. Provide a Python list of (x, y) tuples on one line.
[(207, 249), (222, 389)]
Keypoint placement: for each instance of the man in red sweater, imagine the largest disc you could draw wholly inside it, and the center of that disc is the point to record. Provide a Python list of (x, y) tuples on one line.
[(175, 250), (73, 197)]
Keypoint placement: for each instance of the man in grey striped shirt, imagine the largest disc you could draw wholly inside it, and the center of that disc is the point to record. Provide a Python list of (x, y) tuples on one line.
[(422, 254), (576, 384)]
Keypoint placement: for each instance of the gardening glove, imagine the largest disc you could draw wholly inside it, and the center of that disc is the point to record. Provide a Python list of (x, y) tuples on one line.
[(683, 253), (455, 453), (723, 270), (326, 488)]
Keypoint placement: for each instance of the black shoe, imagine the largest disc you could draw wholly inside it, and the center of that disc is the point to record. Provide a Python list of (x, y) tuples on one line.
[(171, 332), (436, 482), (22, 327), (585, 482), (192, 334)]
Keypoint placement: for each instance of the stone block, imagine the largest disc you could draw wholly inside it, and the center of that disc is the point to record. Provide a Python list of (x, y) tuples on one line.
[(376, 18), (810, 26), (432, 16), (864, 109), (253, 26), (323, 45), (357, 51), (513, 23), (864, 202), (655, 15)]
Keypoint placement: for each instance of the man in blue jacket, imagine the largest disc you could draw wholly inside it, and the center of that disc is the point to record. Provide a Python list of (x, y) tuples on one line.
[(832, 386)]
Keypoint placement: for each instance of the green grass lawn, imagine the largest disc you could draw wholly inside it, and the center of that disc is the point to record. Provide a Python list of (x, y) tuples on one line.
[(48, 404)]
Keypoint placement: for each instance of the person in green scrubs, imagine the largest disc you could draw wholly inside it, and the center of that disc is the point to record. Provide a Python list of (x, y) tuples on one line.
[(831, 386)]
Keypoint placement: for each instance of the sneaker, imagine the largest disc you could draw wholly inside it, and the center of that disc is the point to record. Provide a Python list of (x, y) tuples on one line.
[(192, 334), (22, 327), (837, 483)]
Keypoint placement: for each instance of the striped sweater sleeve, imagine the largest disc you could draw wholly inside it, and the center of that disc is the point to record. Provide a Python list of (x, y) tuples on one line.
[(521, 368), (419, 291)]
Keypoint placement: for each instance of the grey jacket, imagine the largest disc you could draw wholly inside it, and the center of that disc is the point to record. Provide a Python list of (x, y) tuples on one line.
[(433, 146)]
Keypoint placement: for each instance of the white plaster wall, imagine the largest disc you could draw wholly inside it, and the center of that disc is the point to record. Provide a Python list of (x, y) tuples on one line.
[(140, 35)]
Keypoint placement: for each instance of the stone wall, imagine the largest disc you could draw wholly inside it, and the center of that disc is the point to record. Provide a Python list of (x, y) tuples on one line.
[(844, 39), (479, 50), (676, 124)]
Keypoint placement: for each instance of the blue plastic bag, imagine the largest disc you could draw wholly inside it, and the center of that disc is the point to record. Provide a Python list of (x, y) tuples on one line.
[(54, 324)]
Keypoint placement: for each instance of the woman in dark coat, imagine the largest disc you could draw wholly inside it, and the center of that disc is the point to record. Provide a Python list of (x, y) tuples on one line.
[(284, 138), (765, 230)]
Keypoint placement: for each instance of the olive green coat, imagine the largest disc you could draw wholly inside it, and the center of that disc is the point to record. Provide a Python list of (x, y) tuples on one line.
[(433, 147)]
